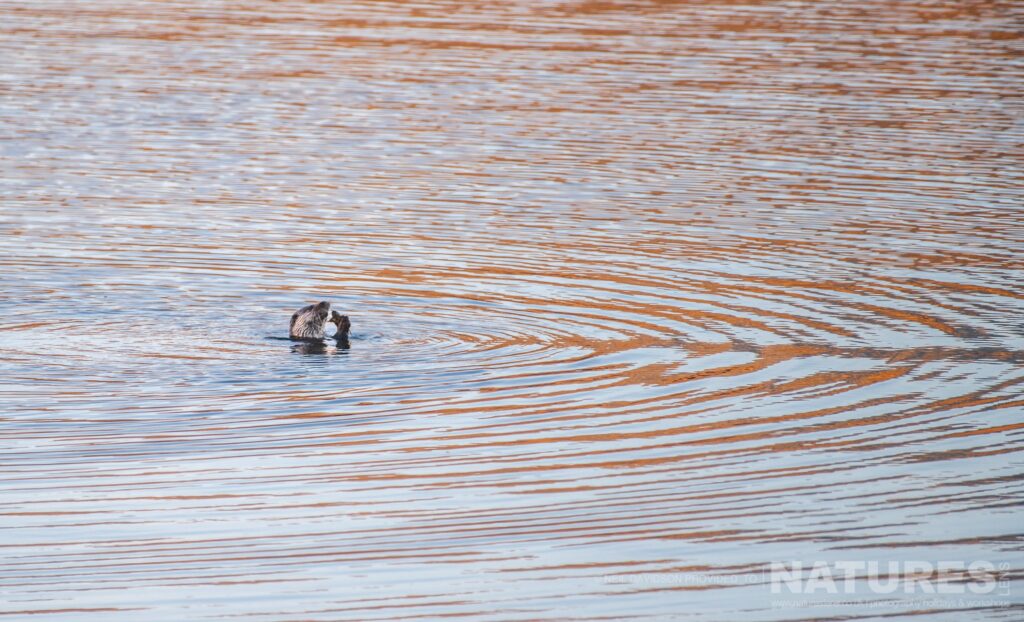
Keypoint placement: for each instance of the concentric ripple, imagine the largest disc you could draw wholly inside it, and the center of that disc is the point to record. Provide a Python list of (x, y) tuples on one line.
[(645, 297)]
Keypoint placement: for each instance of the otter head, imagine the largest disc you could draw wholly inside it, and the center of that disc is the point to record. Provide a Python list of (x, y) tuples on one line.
[(308, 322), (322, 309)]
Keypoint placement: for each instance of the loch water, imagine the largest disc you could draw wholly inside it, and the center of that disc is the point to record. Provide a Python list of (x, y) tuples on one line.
[(647, 296)]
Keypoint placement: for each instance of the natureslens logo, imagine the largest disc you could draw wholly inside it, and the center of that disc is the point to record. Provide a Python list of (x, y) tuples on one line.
[(894, 577)]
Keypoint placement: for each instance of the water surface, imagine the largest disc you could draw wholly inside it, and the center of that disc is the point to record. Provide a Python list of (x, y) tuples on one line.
[(645, 297)]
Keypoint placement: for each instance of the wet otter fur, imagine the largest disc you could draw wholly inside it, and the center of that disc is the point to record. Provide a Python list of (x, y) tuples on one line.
[(309, 321)]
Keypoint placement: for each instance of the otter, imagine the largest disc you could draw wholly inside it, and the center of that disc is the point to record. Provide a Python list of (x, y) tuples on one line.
[(309, 321)]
